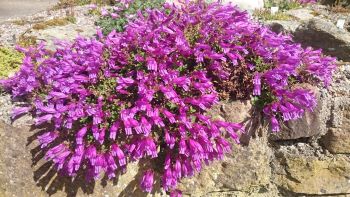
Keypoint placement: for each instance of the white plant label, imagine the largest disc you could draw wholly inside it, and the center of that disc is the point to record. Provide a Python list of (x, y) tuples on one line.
[(274, 10), (341, 23)]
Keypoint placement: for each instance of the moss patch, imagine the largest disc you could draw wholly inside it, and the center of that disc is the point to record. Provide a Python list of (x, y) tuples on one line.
[(10, 61), (20, 22)]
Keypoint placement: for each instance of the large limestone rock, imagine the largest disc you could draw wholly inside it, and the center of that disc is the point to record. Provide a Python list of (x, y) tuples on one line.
[(311, 175), (23, 172)]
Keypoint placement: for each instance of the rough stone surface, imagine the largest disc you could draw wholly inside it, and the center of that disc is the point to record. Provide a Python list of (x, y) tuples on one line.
[(337, 139), (311, 124), (302, 14), (279, 26), (310, 175), (233, 111), (24, 172), (246, 170)]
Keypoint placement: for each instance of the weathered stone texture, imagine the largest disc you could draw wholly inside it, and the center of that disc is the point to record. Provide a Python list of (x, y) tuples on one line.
[(311, 175), (245, 169)]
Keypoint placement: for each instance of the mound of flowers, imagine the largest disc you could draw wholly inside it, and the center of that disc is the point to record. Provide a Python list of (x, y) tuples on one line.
[(142, 95)]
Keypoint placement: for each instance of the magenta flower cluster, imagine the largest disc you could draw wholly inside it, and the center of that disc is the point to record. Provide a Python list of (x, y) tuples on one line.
[(142, 95)]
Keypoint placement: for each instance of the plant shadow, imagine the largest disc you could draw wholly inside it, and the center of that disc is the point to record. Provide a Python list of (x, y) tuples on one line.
[(53, 182)]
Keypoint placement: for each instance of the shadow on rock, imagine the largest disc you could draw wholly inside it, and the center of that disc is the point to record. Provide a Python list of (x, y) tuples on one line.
[(55, 183)]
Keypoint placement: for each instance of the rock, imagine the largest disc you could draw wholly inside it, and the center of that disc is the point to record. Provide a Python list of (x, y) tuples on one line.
[(341, 83), (23, 172), (337, 139), (310, 175), (302, 14), (268, 191), (279, 26), (323, 34), (246, 169), (311, 124), (232, 111)]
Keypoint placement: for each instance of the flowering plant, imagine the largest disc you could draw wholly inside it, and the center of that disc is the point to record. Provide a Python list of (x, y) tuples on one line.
[(142, 95)]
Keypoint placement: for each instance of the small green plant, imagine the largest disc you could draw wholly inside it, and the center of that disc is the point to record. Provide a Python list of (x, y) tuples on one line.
[(10, 60), (62, 4), (109, 23), (265, 14), (26, 41)]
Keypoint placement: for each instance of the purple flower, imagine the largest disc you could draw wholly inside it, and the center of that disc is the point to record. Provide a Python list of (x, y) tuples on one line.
[(19, 111), (147, 181), (46, 138), (117, 152), (274, 124), (176, 193), (42, 119), (257, 85), (152, 64)]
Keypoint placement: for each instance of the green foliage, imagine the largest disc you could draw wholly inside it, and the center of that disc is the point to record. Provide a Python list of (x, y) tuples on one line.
[(264, 99), (10, 60), (108, 24)]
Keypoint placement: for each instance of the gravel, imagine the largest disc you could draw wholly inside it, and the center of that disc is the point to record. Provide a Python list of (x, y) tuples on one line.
[(10, 30)]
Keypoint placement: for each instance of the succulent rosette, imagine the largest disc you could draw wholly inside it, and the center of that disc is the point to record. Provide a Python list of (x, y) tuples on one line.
[(143, 94)]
